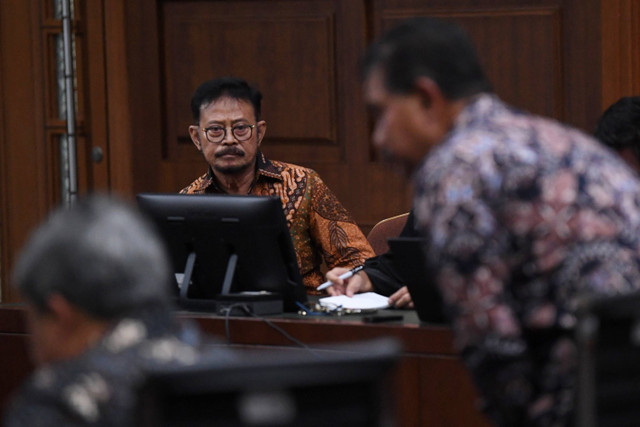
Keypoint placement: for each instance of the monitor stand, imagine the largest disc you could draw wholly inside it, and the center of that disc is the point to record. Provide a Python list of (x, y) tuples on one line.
[(229, 303), (186, 277)]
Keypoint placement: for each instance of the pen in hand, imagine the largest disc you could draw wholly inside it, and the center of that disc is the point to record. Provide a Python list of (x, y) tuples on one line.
[(343, 276)]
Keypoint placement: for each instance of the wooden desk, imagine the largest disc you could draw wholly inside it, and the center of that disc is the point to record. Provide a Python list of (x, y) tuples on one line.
[(432, 388)]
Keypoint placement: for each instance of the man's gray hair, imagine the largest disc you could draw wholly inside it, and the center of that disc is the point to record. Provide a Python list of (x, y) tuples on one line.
[(100, 254)]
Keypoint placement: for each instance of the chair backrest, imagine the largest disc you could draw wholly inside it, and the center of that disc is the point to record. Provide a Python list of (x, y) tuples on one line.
[(388, 227), (608, 380), (339, 385)]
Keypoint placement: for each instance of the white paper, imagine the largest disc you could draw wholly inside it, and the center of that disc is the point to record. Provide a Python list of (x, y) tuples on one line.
[(364, 301)]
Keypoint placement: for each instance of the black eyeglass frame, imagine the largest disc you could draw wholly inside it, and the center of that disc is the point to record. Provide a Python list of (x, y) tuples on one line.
[(224, 132)]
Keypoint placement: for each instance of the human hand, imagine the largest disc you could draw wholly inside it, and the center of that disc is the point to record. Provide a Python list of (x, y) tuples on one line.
[(359, 282), (401, 298)]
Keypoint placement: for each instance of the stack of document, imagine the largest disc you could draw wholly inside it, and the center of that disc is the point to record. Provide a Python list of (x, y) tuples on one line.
[(363, 301)]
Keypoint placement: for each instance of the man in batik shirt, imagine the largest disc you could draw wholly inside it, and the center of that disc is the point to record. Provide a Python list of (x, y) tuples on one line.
[(94, 278), (521, 215), (228, 132)]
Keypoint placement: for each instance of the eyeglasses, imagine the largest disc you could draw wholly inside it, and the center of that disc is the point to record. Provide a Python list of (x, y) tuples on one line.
[(241, 132)]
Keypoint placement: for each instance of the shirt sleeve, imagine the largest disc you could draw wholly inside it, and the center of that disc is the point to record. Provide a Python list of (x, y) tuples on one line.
[(333, 230)]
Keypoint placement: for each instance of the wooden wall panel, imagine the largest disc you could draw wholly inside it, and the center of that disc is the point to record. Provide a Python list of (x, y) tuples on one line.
[(524, 68), (24, 172), (536, 54), (293, 44), (120, 124), (621, 50)]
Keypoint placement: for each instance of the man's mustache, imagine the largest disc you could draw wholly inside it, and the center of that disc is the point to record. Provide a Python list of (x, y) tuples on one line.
[(234, 151)]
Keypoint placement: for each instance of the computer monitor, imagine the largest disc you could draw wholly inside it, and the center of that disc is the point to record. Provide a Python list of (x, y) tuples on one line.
[(346, 385), (227, 244)]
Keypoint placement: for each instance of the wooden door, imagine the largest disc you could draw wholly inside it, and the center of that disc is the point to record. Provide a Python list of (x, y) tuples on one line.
[(32, 117)]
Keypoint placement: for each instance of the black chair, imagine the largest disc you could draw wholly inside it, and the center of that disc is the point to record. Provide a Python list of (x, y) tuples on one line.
[(340, 385), (608, 380)]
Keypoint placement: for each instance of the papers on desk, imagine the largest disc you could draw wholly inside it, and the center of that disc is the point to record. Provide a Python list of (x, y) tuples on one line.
[(363, 301)]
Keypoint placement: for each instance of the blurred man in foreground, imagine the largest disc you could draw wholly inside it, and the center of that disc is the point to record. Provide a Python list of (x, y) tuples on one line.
[(95, 280), (522, 216)]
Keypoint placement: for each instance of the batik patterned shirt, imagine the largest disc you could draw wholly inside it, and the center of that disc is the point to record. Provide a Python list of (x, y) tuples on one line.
[(522, 217), (99, 387), (320, 227)]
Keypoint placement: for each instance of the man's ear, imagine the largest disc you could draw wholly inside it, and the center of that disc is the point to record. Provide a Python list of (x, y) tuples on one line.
[(66, 315), (194, 132), (261, 129), (428, 91)]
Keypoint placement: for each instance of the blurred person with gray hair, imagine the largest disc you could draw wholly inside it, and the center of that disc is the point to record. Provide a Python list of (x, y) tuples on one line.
[(99, 313)]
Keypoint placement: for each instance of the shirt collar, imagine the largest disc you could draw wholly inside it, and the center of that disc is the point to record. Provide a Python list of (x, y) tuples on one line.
[(479, 108)]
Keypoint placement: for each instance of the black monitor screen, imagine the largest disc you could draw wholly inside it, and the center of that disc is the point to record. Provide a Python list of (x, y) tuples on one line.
[(227, 244)]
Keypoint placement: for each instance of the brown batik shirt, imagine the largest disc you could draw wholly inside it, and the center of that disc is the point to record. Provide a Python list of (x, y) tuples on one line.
[(320, 227)]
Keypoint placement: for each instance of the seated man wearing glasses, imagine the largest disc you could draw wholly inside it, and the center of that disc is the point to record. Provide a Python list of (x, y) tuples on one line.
[(228, 132)]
